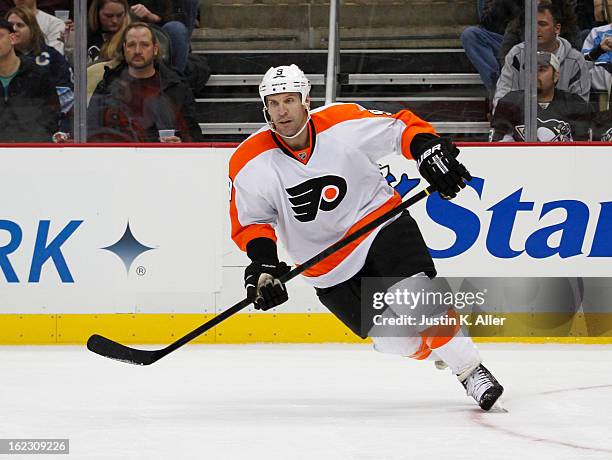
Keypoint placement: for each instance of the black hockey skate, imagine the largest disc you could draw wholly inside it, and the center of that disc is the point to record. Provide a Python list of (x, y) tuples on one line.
[(483, 387)]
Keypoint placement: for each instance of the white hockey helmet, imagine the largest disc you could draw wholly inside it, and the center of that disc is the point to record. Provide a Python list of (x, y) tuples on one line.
[(284, 79)]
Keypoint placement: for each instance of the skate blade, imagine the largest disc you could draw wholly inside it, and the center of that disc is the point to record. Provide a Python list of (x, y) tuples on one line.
[(498, 408)]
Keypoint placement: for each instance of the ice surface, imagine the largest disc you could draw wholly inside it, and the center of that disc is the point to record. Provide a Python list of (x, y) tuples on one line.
[(307, 402)]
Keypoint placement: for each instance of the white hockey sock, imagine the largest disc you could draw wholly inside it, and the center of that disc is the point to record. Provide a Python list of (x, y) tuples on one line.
[(403, 346), (459, 353)]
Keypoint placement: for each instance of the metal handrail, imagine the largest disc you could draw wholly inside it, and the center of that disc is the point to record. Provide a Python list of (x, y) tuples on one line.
[(360, 79), (472, 127)]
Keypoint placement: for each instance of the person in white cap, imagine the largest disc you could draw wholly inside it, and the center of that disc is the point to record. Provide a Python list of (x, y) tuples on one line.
[(309, 178), (562, 116)]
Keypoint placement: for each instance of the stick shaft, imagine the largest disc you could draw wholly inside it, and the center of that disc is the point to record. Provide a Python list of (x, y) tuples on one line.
[(111, 349), (357, 234), (305, 266)]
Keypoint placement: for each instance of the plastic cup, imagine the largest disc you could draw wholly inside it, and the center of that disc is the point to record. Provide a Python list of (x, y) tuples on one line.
[(64, 15), (166, 133)]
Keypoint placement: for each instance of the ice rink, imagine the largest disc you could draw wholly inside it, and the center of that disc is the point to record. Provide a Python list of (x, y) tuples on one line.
[(307, 402)]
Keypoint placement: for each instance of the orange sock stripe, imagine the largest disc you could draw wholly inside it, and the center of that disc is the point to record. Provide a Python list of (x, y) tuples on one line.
[(423, 352), (423, 355), (436, 342), (436, 336)]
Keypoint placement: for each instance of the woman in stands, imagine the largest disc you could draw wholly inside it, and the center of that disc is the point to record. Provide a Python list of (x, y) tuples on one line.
[(106, 19), (30, 44)]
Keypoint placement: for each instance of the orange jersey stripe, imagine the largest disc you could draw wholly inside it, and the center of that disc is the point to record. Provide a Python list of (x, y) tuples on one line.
[(416, 126), (251, 148), (332, 261), (335, 114), (245, 234)]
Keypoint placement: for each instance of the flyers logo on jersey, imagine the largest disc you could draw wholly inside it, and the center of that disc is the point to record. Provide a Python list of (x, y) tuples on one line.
[(324, 193)]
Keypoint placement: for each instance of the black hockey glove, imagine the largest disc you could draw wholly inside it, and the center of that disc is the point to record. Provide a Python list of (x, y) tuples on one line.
[(262, 283), (436, 159)]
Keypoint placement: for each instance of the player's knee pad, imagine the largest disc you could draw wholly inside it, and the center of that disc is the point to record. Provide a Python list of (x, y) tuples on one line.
[(432, 317)]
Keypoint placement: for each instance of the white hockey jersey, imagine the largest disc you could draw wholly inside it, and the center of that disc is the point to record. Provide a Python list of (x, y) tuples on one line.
[(315, 197)]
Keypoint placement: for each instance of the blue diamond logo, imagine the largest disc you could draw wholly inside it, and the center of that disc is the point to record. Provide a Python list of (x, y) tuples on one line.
[(127, 248)]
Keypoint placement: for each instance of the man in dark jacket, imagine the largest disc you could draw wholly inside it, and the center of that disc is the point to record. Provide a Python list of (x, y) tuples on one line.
[(573, 74), (562, 116), (564, 12), (171, 17), (482, 43), (141, 97), (29, 106)]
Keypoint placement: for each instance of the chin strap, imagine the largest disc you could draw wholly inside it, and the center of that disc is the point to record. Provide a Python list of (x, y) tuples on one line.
[(271, 123)]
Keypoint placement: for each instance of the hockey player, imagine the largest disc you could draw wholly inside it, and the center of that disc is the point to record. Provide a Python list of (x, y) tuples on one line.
[(311, 177)]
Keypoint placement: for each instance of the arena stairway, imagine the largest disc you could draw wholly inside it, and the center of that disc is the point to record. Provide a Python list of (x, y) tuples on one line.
[(445, 91), (383, 65)]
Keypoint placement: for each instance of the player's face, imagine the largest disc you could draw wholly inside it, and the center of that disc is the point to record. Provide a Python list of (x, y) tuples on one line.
[(287, 113), (139, 50), (546, 79), (111, 16), (547, 30), (23, 35)]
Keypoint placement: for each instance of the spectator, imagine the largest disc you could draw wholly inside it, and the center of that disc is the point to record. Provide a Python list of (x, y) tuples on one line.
[(562, 11), (190, 7), (482, 43), (30, 43), (597, 50), (574, 74), (107, 20), (585, 12), (171, 18), (48, 6), (562, 116), (29, 107), (567, 15), (141, 96), (52, 27)]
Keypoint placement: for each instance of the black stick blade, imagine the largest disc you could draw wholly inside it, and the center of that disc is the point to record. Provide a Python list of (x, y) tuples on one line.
[(113, 350)]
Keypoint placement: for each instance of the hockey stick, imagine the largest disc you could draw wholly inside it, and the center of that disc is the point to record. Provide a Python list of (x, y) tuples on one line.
[(114, 350)]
